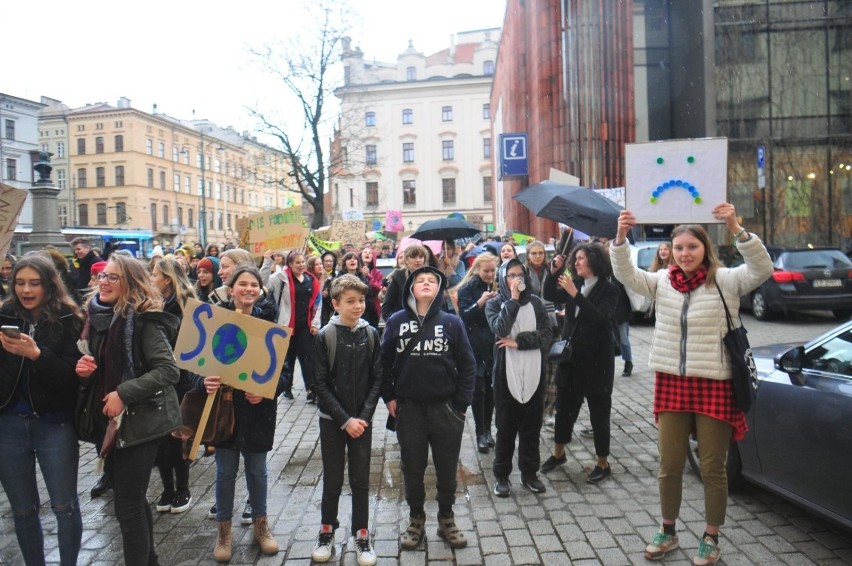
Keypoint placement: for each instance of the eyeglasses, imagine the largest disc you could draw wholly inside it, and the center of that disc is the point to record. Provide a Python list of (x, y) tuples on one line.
[(514, 275), (111, 277)]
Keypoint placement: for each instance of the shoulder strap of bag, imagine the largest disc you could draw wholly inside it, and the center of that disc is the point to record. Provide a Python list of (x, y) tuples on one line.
[(330, 337), (728, 318)]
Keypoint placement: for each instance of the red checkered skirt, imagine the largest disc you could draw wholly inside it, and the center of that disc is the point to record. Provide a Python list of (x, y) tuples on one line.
[(711, 397)]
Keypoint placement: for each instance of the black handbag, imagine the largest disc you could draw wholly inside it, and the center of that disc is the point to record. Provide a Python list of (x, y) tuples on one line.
[(561, 351), (743, 369), (86, 410)]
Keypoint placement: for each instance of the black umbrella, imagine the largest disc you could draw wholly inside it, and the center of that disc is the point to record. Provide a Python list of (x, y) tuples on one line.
[(445, 229), (578, 207)]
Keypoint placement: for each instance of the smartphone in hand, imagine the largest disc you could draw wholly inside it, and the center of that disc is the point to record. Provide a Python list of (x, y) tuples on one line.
[(12, 332)]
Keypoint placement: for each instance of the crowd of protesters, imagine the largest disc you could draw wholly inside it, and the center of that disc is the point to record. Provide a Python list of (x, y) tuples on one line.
[(469, 327)]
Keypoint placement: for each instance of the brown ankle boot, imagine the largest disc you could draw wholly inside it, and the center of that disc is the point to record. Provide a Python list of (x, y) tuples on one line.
[(222, 552), (268, 545)]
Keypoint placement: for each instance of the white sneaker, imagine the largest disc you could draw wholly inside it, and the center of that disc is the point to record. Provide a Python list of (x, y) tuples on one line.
[(363, 548), (324, 547)]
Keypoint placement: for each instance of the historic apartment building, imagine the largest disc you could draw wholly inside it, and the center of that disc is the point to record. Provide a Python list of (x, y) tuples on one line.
[(121, 168), (415, 135), (18, 137)]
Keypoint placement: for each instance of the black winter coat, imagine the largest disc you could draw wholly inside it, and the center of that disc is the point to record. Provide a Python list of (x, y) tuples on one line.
[(53, 380), (478, 331), (352, 387), (592, 368)]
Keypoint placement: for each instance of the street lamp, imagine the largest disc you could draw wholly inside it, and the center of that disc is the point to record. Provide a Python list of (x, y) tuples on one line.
[(202, 213)]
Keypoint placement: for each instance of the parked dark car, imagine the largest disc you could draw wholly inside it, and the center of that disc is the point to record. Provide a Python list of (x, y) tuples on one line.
[(804, 279), (799, 443)]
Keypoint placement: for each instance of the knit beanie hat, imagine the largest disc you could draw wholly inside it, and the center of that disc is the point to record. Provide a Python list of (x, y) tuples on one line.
[(206, 264), (97, 267)]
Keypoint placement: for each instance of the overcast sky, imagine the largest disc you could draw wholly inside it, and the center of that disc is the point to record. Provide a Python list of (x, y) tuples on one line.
[(189, 55)]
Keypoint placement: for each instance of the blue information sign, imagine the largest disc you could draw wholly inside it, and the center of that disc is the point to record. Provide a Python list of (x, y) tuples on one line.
[(513, 155)]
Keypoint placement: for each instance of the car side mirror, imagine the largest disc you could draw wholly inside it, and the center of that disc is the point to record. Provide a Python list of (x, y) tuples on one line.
[(790, 362)]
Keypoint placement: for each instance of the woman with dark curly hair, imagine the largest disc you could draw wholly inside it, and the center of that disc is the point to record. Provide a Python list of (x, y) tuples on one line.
[(590, 301)]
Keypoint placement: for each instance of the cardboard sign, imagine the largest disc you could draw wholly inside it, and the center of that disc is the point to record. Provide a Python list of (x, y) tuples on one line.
[(11, 203), (677, 181), (246, 352), (348, 232), (281, 229)]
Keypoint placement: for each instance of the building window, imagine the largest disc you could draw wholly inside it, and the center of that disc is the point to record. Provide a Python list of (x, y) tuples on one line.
[(446, 113), (217, 166), (187, 184), (488, 68), (407, 116), (161, 150), (486, 148), (448, 152), (149, 146), (190, 219), (63, 215), (370, 119), (411, 73), (60, 150), (180, 217), (486, 111), (372, 193), (83, 214), (218, 191), (220, 220), (409, 194), (61, 182), (228, 220), (448, 187), (99, 144), (408, 152), (120, 213), (81, 179), (119, 143), (101, 212), (10, 129), (153, 217), (371, 155), (175, 154), (81, 146), (11, 169), (163, 180), (100, 177), (487, 189), (119, 175), (150, 178), (176, 182), (165, 214)]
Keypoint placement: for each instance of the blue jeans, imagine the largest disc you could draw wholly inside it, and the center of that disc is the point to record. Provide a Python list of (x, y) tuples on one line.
[(336, 446), (624, 338), (22, 441), (227, 466)]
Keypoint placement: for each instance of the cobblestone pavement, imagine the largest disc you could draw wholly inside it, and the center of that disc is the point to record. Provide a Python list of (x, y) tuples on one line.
[(573, 523)]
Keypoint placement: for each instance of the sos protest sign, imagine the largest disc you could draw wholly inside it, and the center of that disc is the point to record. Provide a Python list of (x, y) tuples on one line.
[(246, 352)]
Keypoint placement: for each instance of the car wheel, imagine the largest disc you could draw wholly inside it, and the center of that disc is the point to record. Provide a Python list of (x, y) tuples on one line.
[(734, 465), (759, 308), (842, 314)]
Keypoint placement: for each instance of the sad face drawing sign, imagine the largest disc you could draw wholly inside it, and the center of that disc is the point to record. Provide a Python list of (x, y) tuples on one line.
[(676, 181)]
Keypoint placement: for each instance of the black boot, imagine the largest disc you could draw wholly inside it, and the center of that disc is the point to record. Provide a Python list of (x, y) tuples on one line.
[(628, 369), (102, 486), (482, 443)]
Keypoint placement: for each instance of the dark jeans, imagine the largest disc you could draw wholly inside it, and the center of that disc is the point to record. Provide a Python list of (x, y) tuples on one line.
[(171, 465), (521, 421), (301, 348), (23, 440), (227, 466), (483, 403), (569, 399), (131, 472), (419, 428), (335, 444)]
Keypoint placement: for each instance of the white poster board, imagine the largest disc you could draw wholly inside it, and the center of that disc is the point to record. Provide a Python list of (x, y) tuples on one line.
[(676, 181)]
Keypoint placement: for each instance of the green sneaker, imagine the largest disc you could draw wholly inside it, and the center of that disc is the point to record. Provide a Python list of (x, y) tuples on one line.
[(708, 552), (661, 544)]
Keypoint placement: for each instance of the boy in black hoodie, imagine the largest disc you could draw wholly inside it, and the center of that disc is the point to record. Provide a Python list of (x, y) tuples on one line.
[(429, 374)]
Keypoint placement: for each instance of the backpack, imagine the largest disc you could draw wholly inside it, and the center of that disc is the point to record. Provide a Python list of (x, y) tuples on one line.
[(330, 337)]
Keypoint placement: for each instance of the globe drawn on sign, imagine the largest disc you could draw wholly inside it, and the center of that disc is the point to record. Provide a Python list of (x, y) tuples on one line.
[(229, 343)]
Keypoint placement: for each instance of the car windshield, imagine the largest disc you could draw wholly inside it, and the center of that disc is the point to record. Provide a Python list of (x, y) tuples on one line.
[(816, 259)]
